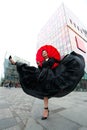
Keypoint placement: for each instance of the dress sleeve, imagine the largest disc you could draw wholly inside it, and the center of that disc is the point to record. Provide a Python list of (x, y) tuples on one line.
[(56, 61)]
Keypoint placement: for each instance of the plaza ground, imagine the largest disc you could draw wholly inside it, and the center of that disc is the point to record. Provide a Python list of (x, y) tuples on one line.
[(19, 111)]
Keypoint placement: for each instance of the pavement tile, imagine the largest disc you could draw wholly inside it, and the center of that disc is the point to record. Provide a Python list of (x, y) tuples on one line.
[(5, 113), (13, 128), (4, 105), (32, 125), (7, 122), (76, 114), (83, 128), (57, 122)]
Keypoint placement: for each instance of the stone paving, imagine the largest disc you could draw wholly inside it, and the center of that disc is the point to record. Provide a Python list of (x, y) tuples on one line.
[(19, 111)]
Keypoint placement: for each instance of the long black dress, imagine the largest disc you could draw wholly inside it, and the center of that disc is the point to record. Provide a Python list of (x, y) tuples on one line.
[(56, 82)]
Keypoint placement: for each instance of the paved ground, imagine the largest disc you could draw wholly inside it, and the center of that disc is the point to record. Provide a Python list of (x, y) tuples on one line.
[(19, 111)]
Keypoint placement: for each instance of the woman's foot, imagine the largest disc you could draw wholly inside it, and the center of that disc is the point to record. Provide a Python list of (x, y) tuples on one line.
[(11, 60), (45, 113)]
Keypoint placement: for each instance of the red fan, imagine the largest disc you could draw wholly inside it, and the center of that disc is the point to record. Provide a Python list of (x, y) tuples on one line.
[(52, 52)]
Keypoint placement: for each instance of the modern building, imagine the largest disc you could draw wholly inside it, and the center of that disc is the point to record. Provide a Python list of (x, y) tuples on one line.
[(65, 32), (10, 73)]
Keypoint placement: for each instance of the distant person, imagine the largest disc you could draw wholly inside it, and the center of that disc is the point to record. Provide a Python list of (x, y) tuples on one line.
[(47, 80), (10, 84)]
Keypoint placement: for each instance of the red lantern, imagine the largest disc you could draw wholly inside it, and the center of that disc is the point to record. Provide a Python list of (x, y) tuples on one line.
[(52, 52)]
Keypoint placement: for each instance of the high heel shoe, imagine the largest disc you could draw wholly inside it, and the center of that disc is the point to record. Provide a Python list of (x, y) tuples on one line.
[(10, 57), (43, 117), (12, 61)]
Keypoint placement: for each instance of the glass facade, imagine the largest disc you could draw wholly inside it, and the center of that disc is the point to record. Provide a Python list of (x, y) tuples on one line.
[(65, 32), (78, 37), (55, 32)]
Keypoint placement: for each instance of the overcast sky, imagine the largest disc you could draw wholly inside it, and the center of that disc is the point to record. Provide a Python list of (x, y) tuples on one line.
[(21, 21)]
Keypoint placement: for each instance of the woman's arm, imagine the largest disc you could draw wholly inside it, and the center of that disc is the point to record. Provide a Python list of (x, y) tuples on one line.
[(50, 62)]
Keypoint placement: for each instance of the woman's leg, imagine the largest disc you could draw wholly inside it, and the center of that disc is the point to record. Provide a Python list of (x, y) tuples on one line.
[(45, 102), (46, 111), (11, 60)]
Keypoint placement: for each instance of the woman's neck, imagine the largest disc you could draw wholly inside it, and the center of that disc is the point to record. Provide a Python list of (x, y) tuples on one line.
[(46, 59)]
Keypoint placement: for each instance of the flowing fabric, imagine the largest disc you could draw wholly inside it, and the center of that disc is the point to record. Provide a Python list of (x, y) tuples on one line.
[(56, 82)]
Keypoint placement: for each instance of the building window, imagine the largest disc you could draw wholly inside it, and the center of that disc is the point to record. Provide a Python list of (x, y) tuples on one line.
[(70, 21), (78, 27), (74, 25), (80, 44)]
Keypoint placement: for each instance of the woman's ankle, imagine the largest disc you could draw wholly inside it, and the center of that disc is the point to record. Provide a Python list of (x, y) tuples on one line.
[(11, 60)]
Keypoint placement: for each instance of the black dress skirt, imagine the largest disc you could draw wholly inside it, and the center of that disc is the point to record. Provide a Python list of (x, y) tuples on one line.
[(47, 82)]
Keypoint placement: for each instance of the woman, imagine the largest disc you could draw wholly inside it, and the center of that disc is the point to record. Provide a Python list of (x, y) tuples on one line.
[(47, 64), (45, 81)]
